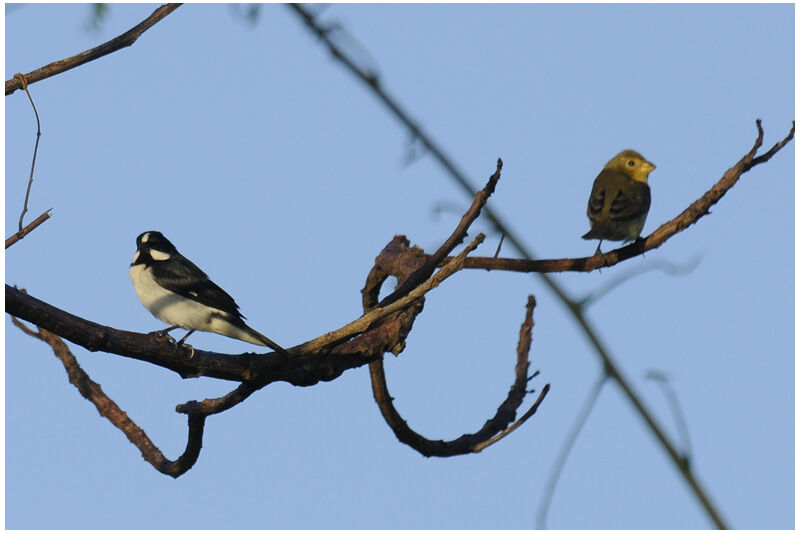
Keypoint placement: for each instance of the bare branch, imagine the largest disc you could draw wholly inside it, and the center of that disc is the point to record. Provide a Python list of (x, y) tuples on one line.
[(425, 271), (772, 151), (492, 431), (18, 236), (698, 209), (213, 406), (107, 408), (362, 324), (121, 41)]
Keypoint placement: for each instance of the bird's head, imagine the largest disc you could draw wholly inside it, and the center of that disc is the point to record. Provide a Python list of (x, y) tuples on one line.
[(632, 164), (152, 246)]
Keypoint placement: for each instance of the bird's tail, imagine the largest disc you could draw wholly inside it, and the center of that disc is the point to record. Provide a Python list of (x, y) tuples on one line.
[(599, 231), (252, 336)]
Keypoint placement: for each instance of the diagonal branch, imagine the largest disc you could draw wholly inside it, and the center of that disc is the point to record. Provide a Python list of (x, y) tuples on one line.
[(425, 271), (109, 409), (38, 221), (121, 41), (694, 212), (572, 306)]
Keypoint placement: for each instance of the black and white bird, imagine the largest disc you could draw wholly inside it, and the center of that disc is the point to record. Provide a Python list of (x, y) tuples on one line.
[(177, 292)]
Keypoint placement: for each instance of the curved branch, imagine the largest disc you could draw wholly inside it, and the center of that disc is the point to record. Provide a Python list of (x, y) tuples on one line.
[(698, 209), (121, 41), (493, 430), (107, 408)]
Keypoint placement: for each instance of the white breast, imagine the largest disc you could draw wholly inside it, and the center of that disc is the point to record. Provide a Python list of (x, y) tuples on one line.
[(169, 307)]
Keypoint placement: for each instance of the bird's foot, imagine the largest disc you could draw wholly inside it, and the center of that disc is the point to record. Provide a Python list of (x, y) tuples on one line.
[(164, 333), (601, 254)]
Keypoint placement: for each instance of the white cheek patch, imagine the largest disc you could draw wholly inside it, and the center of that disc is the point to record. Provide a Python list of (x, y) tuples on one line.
[(159, 255), (145, 236), (136, 256)]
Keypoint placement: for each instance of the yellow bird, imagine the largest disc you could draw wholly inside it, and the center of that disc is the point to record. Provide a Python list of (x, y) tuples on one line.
[(620, 199)]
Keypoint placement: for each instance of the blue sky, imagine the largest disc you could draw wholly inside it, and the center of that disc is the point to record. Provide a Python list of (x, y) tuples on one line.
[(283, 177)]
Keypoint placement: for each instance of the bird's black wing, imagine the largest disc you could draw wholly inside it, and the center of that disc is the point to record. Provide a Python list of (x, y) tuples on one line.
[(630, 204), (181, 276), (597, 199)]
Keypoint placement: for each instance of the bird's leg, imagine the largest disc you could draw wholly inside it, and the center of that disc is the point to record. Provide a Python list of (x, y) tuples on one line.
[(601, 254), (180, 342), (162, 332)]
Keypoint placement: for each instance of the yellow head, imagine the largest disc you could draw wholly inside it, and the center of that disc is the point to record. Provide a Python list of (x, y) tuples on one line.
[(632, 164)]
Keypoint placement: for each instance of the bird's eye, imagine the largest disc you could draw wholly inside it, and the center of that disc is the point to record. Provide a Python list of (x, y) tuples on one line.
[(631, 163)]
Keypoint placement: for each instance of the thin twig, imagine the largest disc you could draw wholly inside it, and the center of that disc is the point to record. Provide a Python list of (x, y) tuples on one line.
[(121, 41), (24, 82), (667, 267), (675, 408), (18, 236), (772, 151), (499, 245), (566, 448)]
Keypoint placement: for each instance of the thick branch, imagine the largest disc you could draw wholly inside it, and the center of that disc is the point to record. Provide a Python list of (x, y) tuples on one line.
[(318, 360), (305, 369), (62, 65), (322, 359), (110, 410), (382, 329)]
